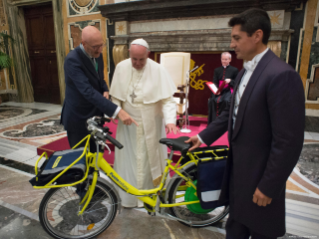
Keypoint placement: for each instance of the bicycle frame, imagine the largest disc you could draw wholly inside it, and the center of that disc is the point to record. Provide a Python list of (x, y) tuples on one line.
[(150, 196)]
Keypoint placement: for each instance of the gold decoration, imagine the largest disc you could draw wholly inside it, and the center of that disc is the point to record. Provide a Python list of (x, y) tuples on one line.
[(82, 3), (199, 84), (120, 53), (274, 18), (121, 28), (275, 46)]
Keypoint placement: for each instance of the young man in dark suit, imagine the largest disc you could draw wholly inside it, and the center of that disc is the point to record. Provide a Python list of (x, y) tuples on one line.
[(265, 123), (217, 103), (86, 93)]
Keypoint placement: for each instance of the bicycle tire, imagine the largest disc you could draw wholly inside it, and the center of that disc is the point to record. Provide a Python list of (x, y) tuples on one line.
[(182, 212), (60, 206)]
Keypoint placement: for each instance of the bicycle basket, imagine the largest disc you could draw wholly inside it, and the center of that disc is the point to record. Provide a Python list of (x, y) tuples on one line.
[(58, 162), (210, 177)]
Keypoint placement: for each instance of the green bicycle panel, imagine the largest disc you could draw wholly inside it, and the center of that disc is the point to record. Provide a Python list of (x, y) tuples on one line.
[(191, 195)]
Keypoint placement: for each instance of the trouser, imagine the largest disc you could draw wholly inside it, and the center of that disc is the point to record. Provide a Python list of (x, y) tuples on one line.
[(75, 137), (236, 230)]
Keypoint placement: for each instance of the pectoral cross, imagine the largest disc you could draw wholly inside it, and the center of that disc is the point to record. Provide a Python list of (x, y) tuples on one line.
[(133, 96)]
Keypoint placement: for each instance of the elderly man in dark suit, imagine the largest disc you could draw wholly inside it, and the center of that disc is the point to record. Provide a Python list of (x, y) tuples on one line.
[(217, 103), (265, 123), (86, 92)]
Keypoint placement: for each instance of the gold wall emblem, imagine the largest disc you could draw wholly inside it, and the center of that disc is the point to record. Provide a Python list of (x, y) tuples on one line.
[(197, 84)]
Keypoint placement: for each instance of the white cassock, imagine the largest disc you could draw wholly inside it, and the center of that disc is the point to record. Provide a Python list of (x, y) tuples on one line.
[(142, 160)]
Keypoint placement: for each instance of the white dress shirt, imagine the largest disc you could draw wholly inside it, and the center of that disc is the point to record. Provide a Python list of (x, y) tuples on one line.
[(249, 67)]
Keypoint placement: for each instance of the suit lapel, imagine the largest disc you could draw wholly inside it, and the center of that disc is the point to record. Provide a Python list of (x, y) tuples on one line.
[(87, 62), (247, 92), (230, 121)]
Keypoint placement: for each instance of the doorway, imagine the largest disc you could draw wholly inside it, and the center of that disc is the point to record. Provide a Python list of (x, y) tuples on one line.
[(42, 53)]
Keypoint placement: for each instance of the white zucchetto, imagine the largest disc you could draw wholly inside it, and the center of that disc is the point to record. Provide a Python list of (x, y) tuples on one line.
[(140, 42)]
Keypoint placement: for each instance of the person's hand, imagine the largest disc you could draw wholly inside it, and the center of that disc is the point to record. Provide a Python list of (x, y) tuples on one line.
[(195, 141), (126, 118), (106, 94), (113, 121), (227, 81), (171, 128), (261, 199)]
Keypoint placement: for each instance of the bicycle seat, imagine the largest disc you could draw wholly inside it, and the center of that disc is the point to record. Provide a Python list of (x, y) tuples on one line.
[(177, 144)]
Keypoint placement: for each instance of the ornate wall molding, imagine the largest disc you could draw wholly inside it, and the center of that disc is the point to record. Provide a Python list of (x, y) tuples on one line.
[(280, 20), (121, 28), (313, 90), (310, 16), (210, 40), (77, 8)]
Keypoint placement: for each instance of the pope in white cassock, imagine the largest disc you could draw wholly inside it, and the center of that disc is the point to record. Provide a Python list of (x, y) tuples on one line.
[(144, 89)]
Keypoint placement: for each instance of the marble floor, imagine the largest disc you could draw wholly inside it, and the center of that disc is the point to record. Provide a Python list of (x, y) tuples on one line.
[(24, 127)]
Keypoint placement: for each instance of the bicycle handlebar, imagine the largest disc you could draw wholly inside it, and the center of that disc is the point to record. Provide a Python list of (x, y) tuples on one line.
[(98, 131), (104, 120), (114, 141)]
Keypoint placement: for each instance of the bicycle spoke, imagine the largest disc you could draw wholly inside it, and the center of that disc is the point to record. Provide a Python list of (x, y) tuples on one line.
[(62, 208)]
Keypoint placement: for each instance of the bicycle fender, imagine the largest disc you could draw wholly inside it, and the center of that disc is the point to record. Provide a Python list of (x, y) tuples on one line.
[(170, 183)]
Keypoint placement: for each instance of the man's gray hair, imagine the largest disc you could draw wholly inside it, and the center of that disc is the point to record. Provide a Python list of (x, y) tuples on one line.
[(226, 53)]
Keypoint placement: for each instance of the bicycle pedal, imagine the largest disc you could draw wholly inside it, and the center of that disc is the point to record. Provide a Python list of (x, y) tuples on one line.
[(153, 214), (149, 208)]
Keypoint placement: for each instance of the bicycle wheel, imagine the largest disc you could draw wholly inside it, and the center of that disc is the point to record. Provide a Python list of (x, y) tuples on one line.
[(177, 194), (60, 207)]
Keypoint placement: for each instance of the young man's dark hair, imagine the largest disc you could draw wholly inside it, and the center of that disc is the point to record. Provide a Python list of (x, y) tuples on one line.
[(252, 20)]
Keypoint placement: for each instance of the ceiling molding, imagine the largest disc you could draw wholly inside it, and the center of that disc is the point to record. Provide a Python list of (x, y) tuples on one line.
[(163, 9)]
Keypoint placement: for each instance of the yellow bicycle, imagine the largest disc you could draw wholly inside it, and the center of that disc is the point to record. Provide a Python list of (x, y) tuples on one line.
[(87, 207)]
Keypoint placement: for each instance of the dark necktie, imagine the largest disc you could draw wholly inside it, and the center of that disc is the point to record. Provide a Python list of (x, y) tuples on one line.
[(96, 66)]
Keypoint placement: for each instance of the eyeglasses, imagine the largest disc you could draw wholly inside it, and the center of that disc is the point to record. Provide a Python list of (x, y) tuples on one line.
[(97, 47)]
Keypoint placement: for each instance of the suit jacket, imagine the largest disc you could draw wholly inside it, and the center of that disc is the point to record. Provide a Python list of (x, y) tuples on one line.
[(231, 72), (265, 143), (84, 91)]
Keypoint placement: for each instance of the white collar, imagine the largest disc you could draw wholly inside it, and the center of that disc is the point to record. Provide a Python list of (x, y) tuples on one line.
[(251, 65)]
